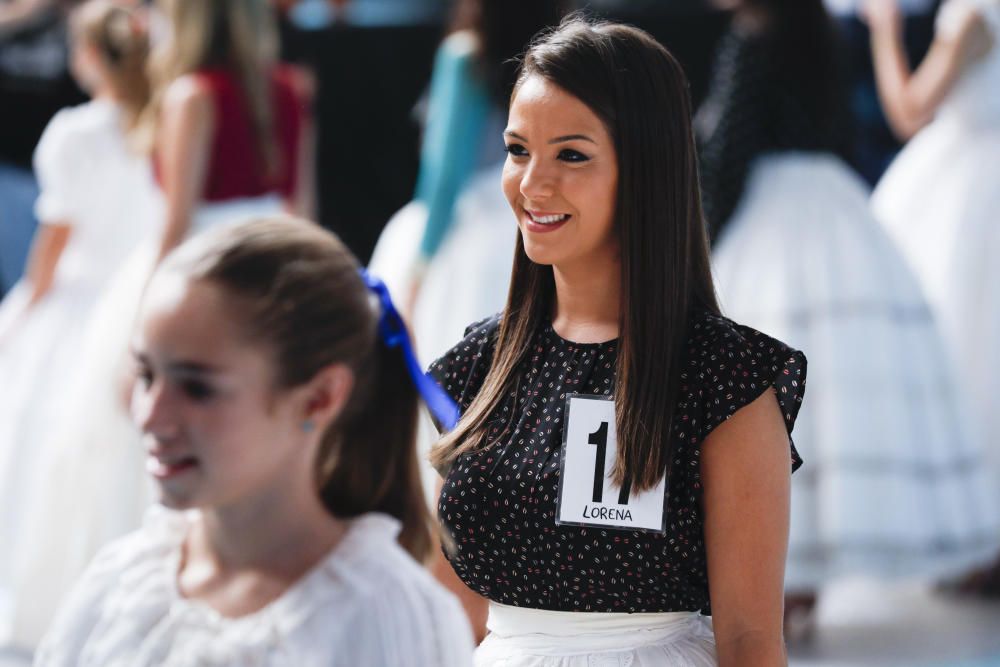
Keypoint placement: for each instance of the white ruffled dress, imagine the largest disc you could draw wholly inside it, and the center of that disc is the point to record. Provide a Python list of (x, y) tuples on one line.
[(366, 604), (895, 483), (92, 182), (940, 203)]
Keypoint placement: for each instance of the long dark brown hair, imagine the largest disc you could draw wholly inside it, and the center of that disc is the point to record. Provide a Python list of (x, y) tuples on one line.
[(640, 92), (297, 290)]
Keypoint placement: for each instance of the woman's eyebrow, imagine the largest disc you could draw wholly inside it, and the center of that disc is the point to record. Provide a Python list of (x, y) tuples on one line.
[(557, 140), (571, 137)]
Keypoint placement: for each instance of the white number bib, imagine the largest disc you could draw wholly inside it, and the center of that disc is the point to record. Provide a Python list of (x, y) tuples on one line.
[(587, 496)]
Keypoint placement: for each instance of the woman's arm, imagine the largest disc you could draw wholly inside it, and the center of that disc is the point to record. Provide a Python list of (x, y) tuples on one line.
[(183, 148), (746, 471), (46, 249), (910, 98), (303, 200)]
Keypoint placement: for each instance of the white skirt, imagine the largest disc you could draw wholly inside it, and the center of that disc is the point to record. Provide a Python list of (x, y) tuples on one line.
[(940, 203), (522, 637), (895, 482), (90, 486)]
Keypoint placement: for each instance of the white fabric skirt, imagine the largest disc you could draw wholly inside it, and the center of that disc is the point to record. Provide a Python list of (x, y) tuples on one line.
[(940, 203), (90, 484), (895, 481), (520, 637)]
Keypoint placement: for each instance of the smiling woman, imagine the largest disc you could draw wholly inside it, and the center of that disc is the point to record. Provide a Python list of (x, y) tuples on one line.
[(594, 532), (558, 181)]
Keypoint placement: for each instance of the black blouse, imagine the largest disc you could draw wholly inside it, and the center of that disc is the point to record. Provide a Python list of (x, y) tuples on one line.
[(499, 503)]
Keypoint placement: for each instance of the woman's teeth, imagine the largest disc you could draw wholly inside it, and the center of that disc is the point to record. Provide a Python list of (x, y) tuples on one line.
[(548, 219)]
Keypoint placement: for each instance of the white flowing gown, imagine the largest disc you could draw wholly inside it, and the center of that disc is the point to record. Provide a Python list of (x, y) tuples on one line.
[(940, 202)]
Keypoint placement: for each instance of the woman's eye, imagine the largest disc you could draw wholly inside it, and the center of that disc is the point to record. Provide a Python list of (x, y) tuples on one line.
[(197, 390), (570, 155), (516, 150)]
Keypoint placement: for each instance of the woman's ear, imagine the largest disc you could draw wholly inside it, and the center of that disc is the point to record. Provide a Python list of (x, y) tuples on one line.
[(326, 395)]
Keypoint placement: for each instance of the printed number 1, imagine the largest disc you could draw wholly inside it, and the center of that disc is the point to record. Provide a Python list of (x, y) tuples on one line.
[(600, 439)]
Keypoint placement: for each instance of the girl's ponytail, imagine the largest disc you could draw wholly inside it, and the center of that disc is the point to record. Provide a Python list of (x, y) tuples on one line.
[(355, 480)]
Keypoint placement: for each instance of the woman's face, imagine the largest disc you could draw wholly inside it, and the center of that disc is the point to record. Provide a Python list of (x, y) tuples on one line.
[(215, 431), (561, 177)]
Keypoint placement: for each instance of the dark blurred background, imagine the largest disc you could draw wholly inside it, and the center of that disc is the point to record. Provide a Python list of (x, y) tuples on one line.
[(372, 60)]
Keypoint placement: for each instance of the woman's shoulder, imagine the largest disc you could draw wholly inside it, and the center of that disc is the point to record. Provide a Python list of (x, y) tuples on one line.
[(727, 365), (461, 370), (76, 128), (192, 93), (710, 331)]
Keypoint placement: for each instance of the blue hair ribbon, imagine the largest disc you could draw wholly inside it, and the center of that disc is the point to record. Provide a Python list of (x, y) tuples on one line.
[(393, 333)]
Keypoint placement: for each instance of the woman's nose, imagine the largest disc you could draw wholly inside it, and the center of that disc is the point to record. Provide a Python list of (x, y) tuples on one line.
[(537, 181)]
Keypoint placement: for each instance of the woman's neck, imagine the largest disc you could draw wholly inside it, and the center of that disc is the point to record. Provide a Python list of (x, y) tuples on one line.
[(587, 301)]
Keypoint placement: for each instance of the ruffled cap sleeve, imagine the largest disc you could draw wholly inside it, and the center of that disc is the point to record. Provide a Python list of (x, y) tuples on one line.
[(732, 365)]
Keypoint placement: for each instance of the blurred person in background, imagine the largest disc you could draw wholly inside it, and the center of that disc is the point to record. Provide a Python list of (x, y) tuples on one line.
[(940, 198), (98, 201), (278, 416), (35, 82), (798, 254), (873, 144), (459, 222), (228, 130)]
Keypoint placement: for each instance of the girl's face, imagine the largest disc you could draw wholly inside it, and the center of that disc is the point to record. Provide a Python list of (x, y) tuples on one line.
[(561, 177), (214, 429)]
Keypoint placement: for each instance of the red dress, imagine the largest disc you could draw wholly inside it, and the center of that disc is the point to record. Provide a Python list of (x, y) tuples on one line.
[(236, 169)]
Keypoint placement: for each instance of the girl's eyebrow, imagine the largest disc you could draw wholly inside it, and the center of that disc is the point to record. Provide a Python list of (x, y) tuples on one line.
[(193, 368), (185, 367), (557, 140)]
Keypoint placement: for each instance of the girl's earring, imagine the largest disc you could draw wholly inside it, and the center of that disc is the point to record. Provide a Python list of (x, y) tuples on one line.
[(308, 426)]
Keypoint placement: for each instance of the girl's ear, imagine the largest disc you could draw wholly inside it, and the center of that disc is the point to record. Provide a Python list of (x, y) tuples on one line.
[(327, 394)]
